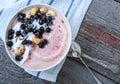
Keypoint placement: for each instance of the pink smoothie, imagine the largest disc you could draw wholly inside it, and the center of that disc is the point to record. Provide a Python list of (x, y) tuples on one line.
[(58, 40), (40, 58)]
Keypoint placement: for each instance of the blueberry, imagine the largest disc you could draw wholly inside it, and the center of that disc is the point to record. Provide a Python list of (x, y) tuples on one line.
[(29, 21), (18, 57), (20, 20), (34, 31), (32, 18), (44, 19), (9, 43), (24, 42), (25, 31), (41, 45), (29, 41), (23, 26), (41, 22), (44, 41), (21, 15), (29, 26), (36, 17), (11, 31), (37, 34), (39, 14), (50, 18), (49, 23), (41, 29), (48, 30), (18, 33), (30, 29), (10, 36), (25, 22)]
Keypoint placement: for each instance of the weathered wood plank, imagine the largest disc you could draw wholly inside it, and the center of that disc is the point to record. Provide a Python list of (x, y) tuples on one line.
[(75, 73), (99, 35)]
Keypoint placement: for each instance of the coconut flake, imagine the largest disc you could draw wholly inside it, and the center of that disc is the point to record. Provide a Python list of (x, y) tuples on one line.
[(25, 55)]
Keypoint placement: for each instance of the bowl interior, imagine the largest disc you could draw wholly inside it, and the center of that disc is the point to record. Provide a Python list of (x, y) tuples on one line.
[(65, 52)]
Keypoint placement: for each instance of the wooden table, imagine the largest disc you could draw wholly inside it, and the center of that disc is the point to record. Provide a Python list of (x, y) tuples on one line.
[(99, 37)]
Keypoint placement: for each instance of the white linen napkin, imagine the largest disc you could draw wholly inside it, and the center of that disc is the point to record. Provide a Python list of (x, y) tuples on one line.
[(74, 10)]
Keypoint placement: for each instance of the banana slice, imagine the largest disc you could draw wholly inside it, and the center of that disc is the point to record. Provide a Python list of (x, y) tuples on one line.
[(51, 12), (28, 14), (34, 10), (35, 39), (20, 50), (43, 10)]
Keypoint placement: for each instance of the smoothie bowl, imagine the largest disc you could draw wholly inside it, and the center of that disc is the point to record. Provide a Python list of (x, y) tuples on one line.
[(38, 38)]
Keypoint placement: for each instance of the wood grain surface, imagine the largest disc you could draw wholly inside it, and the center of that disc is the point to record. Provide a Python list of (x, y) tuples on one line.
[(99, 38), (99, 35)]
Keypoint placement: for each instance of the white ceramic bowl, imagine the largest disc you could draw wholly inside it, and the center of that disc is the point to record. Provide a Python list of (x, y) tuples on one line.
[(65, 52)]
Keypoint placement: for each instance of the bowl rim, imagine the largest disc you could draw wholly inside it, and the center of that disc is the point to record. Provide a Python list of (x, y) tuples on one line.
[(64, 54)]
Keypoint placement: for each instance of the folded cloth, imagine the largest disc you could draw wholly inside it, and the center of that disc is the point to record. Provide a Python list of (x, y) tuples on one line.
[(74, 10)]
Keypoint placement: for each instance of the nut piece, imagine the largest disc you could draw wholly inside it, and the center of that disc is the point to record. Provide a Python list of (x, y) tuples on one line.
[(51, 12), (43, 10), (17, 52), (28, 14), (34, 10), (35, 39), (20, 50)]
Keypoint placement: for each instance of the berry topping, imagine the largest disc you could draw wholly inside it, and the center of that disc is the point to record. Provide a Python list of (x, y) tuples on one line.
[(24, 42), (25, 31), (44, 41), (29, 21), (27, 42), (50, 18), (23, 26), (9, 43), (21, 17), (41, 29), (41, 45), (34, 31), (49, 23), (18, 33), (32, 18), (30, 29), (10, 36), (44, 19), (41, 22), (11, 31), (48, 30), (36, 16), (37, 34), (18, 57), (39, 14)]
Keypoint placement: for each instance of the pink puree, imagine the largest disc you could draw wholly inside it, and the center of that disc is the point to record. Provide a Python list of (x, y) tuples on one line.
[(53, 51)]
